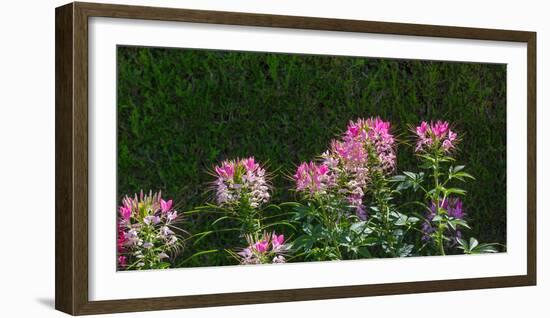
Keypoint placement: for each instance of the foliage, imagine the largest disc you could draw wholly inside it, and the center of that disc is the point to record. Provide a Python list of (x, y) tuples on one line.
[(443, 209)]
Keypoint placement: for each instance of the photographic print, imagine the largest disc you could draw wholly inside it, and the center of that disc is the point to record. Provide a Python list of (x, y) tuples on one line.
[(245, 158), (319, 158)]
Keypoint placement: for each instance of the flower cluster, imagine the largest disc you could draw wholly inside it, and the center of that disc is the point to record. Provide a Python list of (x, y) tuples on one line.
[(145, 239), (269, 249), (366, 147), (312, 178), (453, 208), (374, 134), (241, 181), (436, 136)]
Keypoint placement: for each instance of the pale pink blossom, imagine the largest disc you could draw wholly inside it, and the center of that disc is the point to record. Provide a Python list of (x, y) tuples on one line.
[(241, 179), (143, 230), (270, 248)]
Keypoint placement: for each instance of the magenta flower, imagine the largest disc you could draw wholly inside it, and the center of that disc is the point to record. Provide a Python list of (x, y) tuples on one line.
[(165, 206), (366, 147), (226, 170), (121, 240), (375, 137), (261, 246), (122, 261), (277, 241), (125, 212), (241, 180), (269, 249), (312, 178), (436, 136), (143, 231), (250, 164)]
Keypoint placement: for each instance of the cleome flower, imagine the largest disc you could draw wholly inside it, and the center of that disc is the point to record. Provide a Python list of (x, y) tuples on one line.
[(241, 181), (268, 249), (435, 136), (366, 147), (144, 235), (376, 139), (312, 178)]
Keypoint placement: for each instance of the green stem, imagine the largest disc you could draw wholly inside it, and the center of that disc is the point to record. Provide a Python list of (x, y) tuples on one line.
[(438, 210), (332, 227), (380, 187)]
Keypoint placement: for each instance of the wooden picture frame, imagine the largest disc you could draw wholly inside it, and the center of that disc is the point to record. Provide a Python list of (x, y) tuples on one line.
[(71, 89)]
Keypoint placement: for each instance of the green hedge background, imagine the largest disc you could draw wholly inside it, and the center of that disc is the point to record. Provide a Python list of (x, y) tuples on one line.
[(181, 111)]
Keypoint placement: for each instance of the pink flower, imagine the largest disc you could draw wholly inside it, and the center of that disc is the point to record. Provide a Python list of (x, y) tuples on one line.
[(165, 206), (372, 134), (270, 248), (171, 216), (261, 246), (151, 219), (241, 178), (436, 135), (353, 130), (125, 212), (312, 178), (422, 129), (277, 241), (227, 169), (250, 164), (121, 238), (122, 261), (147, 232)]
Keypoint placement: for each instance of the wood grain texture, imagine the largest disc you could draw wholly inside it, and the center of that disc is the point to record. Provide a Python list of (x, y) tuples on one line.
[(532, 158), (64, 236), (72, 157)]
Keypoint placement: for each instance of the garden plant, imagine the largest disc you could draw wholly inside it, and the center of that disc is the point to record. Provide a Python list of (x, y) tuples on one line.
[(345, 208)]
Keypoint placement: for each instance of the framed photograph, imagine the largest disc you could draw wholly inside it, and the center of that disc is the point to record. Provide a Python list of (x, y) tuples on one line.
[(236, 158)]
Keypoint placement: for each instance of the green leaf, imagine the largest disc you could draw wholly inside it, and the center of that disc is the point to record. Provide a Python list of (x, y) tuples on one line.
[(279, 223), (486, 248), (402, 220), (411, 175), (455, 191), (398, 178), (456, 169), (473, 243), (405, 251), (363, 251), (358, 227), (412, 220), (459, 222), (463, 175), (220, 219)]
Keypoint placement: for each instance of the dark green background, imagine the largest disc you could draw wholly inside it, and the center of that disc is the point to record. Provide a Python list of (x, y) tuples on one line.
[(180, 111)]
